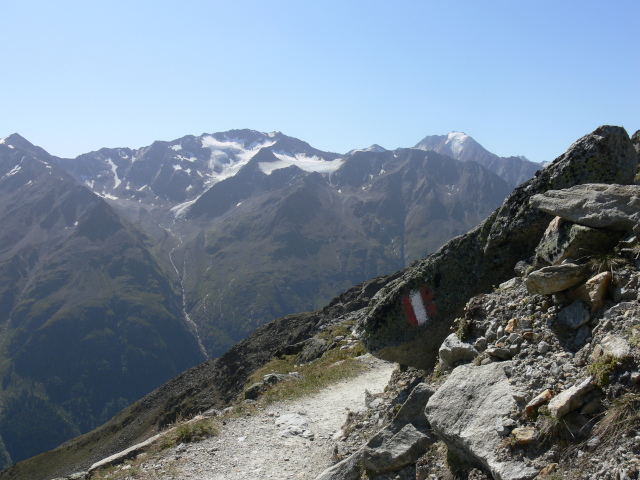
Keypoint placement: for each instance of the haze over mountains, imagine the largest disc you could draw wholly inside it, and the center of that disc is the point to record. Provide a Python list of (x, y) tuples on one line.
[(121, 268)]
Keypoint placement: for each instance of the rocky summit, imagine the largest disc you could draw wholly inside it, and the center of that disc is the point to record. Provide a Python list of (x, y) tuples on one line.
[(518, 347)]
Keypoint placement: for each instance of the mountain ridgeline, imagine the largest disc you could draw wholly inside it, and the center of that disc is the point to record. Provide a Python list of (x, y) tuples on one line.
[(122, 268)]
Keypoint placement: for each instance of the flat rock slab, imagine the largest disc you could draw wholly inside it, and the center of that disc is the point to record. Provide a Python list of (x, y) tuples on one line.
[(464, 412), (616, 207)]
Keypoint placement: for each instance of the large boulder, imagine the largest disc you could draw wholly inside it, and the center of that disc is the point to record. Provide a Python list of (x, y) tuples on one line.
[(464, 413), (616, 207), (411, 316)]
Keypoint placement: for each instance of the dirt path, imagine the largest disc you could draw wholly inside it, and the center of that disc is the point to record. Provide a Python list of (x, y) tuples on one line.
[(257, 447)]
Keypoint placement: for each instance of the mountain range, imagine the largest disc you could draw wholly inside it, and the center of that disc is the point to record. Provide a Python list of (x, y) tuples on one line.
[(121, 268)]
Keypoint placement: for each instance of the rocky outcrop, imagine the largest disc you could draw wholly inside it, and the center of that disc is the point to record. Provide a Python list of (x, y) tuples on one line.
[(615, 207), (464, 412), (411, 316)]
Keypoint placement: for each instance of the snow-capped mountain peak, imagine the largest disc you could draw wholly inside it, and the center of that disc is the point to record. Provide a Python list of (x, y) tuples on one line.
[(456, 141), (373, 148)]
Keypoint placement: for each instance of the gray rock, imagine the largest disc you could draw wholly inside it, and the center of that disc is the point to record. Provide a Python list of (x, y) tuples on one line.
[(549, 280), (254, 390), (464, 413), (616, 346), (314, 348), (563, 240), (543, 347), (347, 469), (574, 316), (513, 283), (584, 332), (387, 454), (454, 351), (481, 344), (441, 284), (616, 207), (273, 378), (412, 410), (497, 352)]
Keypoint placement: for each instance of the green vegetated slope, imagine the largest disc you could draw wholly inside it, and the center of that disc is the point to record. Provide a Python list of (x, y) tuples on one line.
[(275, 244), (89, 320)]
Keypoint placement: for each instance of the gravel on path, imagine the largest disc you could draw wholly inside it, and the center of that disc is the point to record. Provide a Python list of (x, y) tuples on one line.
[(287, 440)]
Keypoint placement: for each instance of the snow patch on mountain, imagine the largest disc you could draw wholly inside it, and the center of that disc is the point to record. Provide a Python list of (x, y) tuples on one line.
[(2, 140), (179, 209), (106, 195), (13, 171), (116, 179), (308, 164), (176, 148), (456, 141), (229, 156)]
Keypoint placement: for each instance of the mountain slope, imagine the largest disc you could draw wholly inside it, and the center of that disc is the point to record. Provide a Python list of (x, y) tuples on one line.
[(89, 320), (273, 244), (515, 170)]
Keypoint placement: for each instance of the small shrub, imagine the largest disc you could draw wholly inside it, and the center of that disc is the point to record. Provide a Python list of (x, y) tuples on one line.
[(462, 327), (604, 262), (602, 369), (622, 417), (549, 426), (190, 432)]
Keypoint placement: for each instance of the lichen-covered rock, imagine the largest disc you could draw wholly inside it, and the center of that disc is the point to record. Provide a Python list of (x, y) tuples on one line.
[(314, 348), (464, 412), (254, 391), (564, 240), (616, 207), (549, 280), (411, 316)]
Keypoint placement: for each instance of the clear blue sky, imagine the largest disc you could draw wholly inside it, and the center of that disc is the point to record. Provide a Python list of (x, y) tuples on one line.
[(521, 77)]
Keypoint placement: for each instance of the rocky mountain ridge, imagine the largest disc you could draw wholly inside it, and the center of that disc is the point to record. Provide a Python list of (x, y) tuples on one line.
[(503, 334)]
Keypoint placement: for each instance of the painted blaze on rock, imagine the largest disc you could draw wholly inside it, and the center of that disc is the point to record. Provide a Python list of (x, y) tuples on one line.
[(418, 306)]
